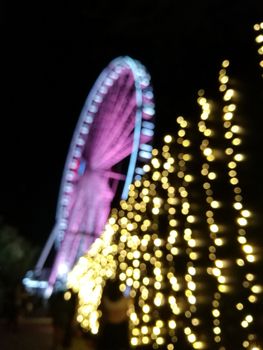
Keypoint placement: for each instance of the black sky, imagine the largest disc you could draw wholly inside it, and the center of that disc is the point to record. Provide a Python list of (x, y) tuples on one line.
[(52, 53)]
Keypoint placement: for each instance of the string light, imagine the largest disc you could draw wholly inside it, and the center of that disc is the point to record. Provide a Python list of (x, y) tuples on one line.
[(259, 41), (232, 141), (215, 268)]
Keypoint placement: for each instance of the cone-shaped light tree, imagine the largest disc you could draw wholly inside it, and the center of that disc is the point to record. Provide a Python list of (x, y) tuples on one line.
[(183, 244)]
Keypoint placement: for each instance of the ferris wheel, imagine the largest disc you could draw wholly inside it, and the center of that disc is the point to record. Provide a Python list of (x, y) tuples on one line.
[(110, 144)]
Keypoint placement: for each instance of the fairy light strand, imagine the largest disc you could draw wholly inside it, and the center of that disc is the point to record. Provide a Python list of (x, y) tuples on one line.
[(233, 140), (258, 27), (217, 240)]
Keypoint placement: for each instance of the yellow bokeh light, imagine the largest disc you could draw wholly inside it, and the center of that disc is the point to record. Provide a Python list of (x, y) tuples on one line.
[(168, 138)]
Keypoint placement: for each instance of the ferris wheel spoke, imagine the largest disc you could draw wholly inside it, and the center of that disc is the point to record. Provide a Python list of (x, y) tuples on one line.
[(116, 101), (76, 196), (120, 137), (125, 96), (114, 104), (123, 121), (125, 92), (115, 158), (114, 175), (113, 153), (120, 150), (122, 127), (122, 144), (72, 254)]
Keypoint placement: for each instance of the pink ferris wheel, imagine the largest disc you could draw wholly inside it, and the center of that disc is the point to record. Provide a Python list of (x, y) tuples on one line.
[(110, 144)]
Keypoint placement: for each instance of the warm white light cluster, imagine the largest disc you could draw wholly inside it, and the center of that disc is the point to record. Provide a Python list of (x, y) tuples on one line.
[(216, 269), (233, 140), (89, 276), (148, 260), (191, 243), (167, 243), (142, 262), (259, 40)]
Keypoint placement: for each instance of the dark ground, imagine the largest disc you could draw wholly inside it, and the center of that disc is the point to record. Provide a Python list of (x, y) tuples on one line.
[(34, 334)]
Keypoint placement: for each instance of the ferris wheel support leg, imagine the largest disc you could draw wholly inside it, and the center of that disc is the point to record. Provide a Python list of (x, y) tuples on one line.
[(54, 271), (72, 254), (47, 248), (61, 265)]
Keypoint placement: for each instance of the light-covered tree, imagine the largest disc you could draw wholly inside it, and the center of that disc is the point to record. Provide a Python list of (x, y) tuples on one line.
[(184, 245)]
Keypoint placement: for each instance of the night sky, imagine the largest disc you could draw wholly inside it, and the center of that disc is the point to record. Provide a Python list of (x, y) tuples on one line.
[(52, 53)]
